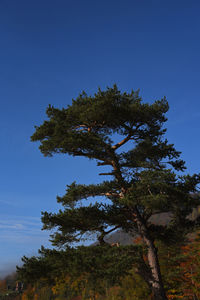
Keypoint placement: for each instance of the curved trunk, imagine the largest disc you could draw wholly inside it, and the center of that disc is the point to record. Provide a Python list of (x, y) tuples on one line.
[(155, 278)]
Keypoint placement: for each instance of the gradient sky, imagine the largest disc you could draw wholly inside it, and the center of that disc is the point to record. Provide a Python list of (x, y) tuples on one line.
[(52, 50)]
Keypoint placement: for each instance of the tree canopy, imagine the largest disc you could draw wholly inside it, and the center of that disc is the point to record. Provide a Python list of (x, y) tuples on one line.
[(126, 137)]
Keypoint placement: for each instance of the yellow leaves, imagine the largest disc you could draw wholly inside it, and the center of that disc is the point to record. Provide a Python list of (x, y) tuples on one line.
[(173, 294), (66, 282), (60, 284), (190, 268), (29, 294)]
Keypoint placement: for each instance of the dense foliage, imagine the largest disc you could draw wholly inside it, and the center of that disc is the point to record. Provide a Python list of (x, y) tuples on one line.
[(126, 137), (87, 277)]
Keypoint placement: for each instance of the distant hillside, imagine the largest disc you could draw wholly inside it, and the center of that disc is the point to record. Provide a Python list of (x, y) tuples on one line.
[(124, 238), (121, 237)]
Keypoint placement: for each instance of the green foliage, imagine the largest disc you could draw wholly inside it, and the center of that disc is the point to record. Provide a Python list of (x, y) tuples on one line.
[(73, 271), (78, 272), (120, 132), (84, 127), (142, 171)]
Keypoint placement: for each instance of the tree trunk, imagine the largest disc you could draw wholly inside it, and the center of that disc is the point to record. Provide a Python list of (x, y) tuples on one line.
[(155, 279)]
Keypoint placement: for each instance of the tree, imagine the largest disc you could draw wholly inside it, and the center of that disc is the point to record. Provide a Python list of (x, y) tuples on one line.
[(74, 271), (126, 136)]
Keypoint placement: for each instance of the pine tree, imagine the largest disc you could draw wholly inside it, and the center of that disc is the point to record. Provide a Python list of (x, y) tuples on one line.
[(126, 137)]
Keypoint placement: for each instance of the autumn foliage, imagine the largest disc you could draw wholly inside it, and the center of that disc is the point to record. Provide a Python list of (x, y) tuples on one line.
[(180, 266)]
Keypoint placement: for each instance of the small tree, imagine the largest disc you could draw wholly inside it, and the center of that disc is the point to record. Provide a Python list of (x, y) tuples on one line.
[(124, 134)]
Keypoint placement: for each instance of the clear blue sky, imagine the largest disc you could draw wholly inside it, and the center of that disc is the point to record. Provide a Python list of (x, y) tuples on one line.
[(52, 50)]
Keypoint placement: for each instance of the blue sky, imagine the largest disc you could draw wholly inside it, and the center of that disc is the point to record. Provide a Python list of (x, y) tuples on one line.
[(52, 50)]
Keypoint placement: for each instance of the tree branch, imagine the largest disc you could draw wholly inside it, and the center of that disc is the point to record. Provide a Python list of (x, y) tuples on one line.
[(80, 153), (111, 173), (111, 230), (83, 127), (112, 194), (125, 140), (106, 162), (104, 233)]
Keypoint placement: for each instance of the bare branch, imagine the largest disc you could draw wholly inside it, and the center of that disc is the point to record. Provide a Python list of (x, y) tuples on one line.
[(111, 194), (106, 162), (129, 136), (125, 140), (111, 173), (104, 233), (111, 230), (83, 127), (80, 153)]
